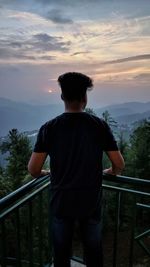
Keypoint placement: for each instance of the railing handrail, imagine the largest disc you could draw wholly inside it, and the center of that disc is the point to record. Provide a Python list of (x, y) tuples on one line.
[(126, 180), (21, 191), (26, 188)]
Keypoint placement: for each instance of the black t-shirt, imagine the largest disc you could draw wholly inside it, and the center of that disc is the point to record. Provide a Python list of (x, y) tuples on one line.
[(75, 143)]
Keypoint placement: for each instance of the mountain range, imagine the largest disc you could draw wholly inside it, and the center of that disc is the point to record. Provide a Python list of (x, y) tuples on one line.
[(27, 117), (126, 113)]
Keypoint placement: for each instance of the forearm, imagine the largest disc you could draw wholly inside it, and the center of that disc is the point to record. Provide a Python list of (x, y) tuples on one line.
[(36, 163), (117, 163)]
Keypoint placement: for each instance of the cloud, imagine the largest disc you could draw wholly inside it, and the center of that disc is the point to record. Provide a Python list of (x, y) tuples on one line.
[(46, 42), (134, 58), (26, 57), (34, 47), (43, 1), (56, 16), (58, 2), (79, 53), (5, 53), (41, 42), (47, 58), (68, 2), (44, 37), (8, 53), (143, 77), (16, 44)]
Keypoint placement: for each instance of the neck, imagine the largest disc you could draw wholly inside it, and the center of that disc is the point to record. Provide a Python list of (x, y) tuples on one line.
[(75, 110), (74, 107)]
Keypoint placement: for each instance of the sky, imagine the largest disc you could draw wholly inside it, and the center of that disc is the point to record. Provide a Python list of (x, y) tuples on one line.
[(108, 40)]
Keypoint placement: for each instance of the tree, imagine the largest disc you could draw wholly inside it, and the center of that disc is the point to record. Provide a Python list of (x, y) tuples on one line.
[(19, 149), (113, 124), (109, 119), (90, 111), (1, 170), (5, 186), (122, 144), (139, 153)]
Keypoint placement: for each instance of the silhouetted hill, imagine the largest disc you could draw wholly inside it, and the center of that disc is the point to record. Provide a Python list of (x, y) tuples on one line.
[(125, 109), (25, 117), (132, 117)]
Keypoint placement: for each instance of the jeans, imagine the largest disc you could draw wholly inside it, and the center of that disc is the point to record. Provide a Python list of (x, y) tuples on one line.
[(62, 234)]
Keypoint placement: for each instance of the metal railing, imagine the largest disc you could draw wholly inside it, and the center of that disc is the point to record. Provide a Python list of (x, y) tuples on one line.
[(17, 212), (138, 190), (25, 239)]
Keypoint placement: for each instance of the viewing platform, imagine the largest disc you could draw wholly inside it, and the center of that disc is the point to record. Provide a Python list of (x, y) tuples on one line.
[(25, 218)]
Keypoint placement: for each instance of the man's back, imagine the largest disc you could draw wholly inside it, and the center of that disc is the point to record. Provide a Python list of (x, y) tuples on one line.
[(75, 143)]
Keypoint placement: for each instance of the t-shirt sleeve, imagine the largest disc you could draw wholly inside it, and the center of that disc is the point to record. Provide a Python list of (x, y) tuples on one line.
[(109, 142), (41, 142)]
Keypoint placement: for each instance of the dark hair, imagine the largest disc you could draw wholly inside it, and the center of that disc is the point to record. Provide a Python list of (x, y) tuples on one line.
[(74, 85)]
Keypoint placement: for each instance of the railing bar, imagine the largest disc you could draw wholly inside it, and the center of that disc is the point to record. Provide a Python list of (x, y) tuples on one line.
[(77, 259), (30, 238), (18, 238), (40, 206), (43, 187), (118, 198), (140, 205), (126, 179), (50, 228), (36, 182), (144, 247), (110, 187), (142, 235), (3, 243), (133, 224), (22, 191), (11, 260), (22, 201)]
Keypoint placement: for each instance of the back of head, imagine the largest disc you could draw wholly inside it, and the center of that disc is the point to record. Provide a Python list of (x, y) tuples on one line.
[(74, 86)]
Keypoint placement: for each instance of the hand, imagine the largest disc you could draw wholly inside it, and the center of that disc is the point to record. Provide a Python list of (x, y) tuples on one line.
[(109, 171), (44, 172)]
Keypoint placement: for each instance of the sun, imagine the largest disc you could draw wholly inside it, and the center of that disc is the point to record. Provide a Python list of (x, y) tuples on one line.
[(50, 91)]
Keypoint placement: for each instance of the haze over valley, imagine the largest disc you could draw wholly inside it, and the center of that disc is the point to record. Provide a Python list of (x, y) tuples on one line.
[(27, 117)]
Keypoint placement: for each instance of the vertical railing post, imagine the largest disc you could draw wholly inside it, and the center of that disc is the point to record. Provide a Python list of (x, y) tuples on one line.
[(3, 243), (117, 224), (30, 237), (133, 225), (18, 238), (50, 229), (40, 207)]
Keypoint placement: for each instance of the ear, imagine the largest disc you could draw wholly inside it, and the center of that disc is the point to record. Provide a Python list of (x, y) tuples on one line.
[(85, 101), (62, 97)]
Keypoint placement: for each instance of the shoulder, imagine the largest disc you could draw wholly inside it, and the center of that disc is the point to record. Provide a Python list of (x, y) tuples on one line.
[(99, 121), (49, 124)]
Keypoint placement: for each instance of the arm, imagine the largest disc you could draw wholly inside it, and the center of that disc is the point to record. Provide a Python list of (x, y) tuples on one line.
[(117, 162), (36, 163)]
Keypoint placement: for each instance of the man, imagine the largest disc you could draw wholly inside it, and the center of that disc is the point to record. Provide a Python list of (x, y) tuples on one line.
[(75, 142)]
